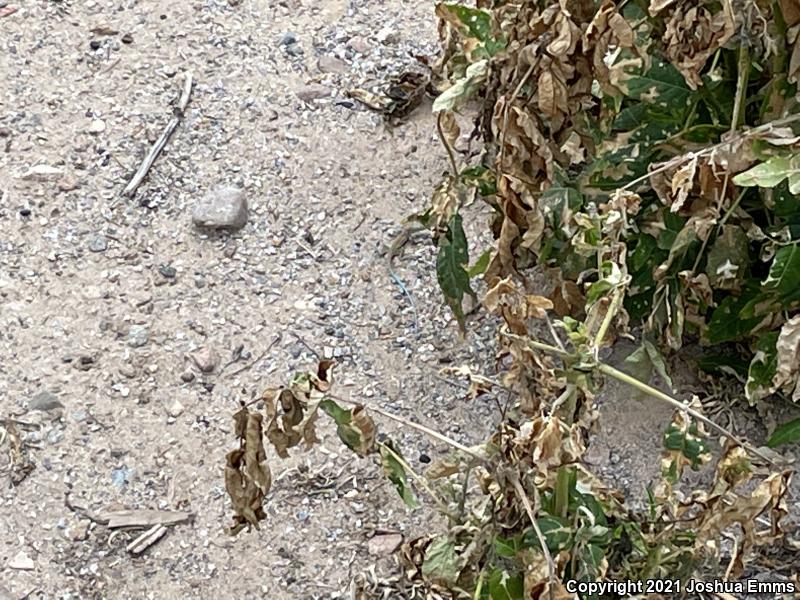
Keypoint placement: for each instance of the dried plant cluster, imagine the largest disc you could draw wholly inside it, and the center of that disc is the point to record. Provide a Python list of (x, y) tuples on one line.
[(645, 156)]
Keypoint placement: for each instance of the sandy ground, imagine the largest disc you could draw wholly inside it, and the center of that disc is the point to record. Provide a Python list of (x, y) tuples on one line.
[(104, 299), (84, 271)]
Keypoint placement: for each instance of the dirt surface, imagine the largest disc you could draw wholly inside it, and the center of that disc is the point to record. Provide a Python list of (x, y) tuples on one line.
[(108, 303), (104, 299)]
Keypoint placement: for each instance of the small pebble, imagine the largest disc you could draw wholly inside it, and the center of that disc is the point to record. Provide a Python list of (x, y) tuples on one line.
[(98, 243), (288, 38), (44, 401), (167, 271), (138, 336), (187, 376)]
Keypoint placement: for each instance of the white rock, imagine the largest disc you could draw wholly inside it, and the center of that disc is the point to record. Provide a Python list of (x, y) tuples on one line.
[(97, 126), (21, 562), (42, 173), (175, 409)]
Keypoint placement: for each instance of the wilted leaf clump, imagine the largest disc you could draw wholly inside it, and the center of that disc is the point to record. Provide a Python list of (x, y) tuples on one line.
[(638, 154)]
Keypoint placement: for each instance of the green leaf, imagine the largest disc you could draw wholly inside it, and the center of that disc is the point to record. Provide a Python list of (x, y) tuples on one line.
[(728, 260), (784, 275), (688, 443), (458, 93), (357, 434), (719, 363), (481, 177), (442, 564), (557, 533), (472, 22), (479, 268), (726, 324), (762, 368), (663, 85), (396, 473), (770, 173), (785, 434), (451, 267), (507, 547), (340, 415), (504, 586), (644, 359)]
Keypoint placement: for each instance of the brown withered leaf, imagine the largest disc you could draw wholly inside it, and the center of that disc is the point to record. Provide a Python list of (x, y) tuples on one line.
[(450, 129), (682, 184), (787, 372), (256, 467), (514, 305), (478, 384), (247, 475), (21, 464), (365, 426), (743, 510), (442, 468), (566, 296), (694, 32), (324, 377)]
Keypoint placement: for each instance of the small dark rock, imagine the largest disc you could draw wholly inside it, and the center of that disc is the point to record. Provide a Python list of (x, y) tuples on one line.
[(424, 458), (294, 50), (95, 44), (187, 376), (167, 271), (44, 401), (127, 38), (288, 38), (25, 212)]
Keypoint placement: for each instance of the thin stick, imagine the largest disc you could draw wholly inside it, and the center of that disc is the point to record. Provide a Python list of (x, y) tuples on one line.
[(446, 145), (420, 481), (651, 391), (659, 395), (741, 84), (413, 425), (161, 141), (551, 567), (260, 357)]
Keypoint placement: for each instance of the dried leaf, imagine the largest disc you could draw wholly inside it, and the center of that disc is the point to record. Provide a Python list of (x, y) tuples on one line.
[(442, 563), (787, 370)]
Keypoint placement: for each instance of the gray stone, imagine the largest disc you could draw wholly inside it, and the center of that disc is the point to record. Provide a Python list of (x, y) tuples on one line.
[(187, 376), (288, 38), (205, 359), (294, 50), (314, 91), (44, 401), (55, 436), (224, 207), (138, 336), (98, 243), (331, 64)]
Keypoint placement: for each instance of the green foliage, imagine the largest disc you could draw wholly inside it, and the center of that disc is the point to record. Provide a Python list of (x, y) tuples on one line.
[(787, 433), (451, 267), (396, 473)]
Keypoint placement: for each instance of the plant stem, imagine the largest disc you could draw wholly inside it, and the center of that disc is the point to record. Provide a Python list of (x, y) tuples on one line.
[(479, 586), (651, 391), (741, 83), (551, 567), (659, 395), (418, 427), (421, 482), (446, 145), (616, 300)]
